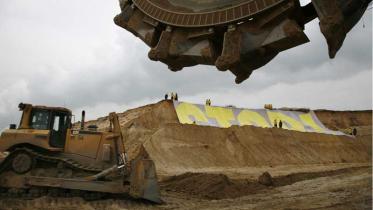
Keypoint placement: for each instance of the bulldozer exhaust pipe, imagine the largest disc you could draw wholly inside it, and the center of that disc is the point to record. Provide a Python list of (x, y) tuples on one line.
[(83, 121)]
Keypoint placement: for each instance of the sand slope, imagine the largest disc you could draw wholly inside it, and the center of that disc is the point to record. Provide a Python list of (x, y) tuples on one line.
[(177, 148)]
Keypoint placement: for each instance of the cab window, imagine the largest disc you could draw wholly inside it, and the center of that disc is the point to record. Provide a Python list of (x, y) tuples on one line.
[(56, 123), (60, 122), (40, 120)]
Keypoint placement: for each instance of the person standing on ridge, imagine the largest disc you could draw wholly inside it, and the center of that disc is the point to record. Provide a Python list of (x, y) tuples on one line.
[(166, 96), (280, 124)]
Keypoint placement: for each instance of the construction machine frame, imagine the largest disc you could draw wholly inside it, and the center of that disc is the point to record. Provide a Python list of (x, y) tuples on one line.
[(45, 152)]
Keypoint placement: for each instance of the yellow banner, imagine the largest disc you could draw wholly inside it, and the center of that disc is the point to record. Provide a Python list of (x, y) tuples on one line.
[(227, 116)]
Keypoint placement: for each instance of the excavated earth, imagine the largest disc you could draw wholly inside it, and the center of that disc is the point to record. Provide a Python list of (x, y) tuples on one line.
[(201, 167)]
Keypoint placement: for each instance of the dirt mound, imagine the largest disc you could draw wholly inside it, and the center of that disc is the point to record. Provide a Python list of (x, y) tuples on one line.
[(219, 186), (265, 179), (178, 148), (210, 186), (336, 120), (187, 148), (298, 177), (346, 189)]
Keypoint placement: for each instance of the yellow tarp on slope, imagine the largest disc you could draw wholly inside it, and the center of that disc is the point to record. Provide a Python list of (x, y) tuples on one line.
[(227, 116)]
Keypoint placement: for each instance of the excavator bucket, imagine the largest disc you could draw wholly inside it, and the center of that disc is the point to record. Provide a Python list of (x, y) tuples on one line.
[(143, 178), (337, 18), (236, 35)]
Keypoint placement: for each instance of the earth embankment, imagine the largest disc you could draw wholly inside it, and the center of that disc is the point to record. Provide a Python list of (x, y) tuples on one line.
[(179, 148)]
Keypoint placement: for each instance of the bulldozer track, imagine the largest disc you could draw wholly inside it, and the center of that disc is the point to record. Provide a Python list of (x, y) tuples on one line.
[(51, 159), (204, 19), (36, 192)]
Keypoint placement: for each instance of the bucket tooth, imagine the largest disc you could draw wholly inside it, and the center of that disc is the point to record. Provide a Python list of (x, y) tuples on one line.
[(161, 51), (337, 18), (231, 50)]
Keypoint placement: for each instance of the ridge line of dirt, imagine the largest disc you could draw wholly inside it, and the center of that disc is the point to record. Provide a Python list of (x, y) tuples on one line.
[(219, 186)]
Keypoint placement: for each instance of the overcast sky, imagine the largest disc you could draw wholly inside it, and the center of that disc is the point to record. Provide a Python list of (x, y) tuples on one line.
[(70, 53)]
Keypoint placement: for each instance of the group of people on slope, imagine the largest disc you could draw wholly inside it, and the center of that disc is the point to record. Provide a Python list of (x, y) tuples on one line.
[(279, 125), (208, 102), (173, 97)]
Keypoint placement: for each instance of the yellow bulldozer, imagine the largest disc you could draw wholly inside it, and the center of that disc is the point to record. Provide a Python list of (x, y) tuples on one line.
[(46, 155)]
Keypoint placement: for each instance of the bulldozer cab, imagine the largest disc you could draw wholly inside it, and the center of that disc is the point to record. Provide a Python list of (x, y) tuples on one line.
[(45, 135), (56, 120)]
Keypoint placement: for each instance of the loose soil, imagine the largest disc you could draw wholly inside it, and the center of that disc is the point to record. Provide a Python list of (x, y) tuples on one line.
[(219, 186), (349, 188)]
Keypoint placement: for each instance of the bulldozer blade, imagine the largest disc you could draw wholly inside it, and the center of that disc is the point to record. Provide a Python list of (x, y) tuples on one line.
[(143, 178), (337, 18)]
